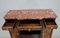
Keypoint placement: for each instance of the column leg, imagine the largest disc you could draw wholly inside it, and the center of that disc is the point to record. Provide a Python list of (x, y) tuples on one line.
[(13, 33), (47, 33)]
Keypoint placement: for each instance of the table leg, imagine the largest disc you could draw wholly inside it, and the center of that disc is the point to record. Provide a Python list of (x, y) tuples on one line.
[(13, 33)]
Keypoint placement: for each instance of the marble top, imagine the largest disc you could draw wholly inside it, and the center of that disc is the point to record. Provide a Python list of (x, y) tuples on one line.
[(30, 14)]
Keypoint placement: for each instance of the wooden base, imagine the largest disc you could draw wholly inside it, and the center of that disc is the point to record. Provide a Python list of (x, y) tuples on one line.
[(45, 26), (45, 33)]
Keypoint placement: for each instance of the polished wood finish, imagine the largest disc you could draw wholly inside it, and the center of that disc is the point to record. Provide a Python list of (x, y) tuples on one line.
[(16, 26), (30, 23)]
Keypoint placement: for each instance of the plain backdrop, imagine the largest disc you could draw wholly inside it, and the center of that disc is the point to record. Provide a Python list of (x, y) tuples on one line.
[(6, 5)]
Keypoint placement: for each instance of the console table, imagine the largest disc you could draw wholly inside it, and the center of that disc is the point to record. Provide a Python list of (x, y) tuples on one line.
[(31, 23)]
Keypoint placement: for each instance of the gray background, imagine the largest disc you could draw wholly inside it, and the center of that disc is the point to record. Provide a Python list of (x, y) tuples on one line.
[(6, 5)]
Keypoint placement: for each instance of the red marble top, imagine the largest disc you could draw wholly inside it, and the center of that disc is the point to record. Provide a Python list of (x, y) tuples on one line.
[(30, 14)]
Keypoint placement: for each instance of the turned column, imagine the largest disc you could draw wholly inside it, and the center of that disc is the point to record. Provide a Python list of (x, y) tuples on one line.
[(47, 33), (13, 33)]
